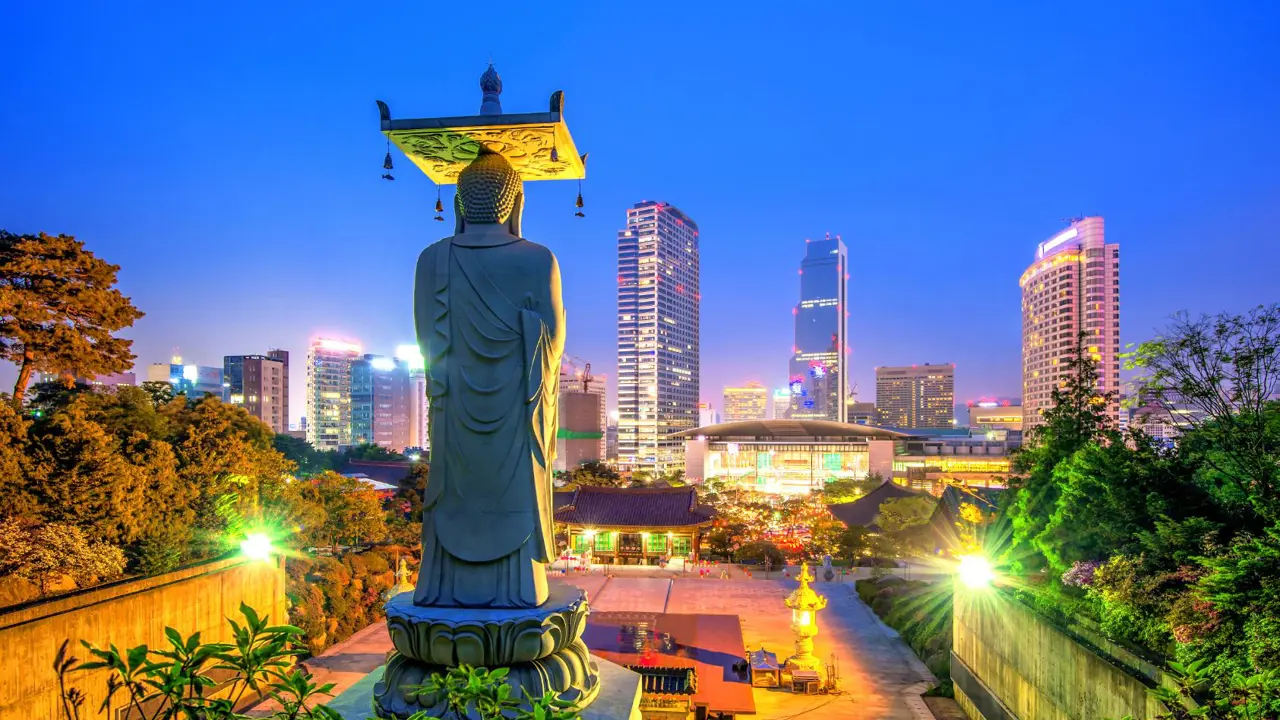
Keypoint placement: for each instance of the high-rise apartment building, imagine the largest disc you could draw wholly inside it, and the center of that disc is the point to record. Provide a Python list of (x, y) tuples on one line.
[(749, 402), (658, 336), (916, 396), (329, 392), (380, 399), (260, 384), (1073, 287), (195, 381), (419, 404), (819, 361)]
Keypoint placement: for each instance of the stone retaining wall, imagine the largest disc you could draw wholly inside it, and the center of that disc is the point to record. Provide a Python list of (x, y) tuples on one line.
[(1010, 663), (126, 613)]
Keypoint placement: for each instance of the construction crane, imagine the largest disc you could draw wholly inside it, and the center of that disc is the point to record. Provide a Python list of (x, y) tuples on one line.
[(581, 370)]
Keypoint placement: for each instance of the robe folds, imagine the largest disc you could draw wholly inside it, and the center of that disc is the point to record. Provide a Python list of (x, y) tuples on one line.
[(491, 326)]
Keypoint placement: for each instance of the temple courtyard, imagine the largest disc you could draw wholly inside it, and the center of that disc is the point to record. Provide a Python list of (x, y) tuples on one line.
[(879, 675)]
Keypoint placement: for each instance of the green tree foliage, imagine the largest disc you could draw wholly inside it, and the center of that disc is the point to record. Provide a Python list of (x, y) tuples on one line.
[(594, 474), (47, 552), (59, 310), (839, 491), (369, 451), (309, 461), (1077, 416), (904, 513), (1226, 369)]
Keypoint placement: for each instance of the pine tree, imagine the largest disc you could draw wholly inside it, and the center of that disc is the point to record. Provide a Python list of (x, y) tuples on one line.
[(59, 308)]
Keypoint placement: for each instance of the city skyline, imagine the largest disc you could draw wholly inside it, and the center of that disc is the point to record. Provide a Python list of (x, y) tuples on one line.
[(943, 173)]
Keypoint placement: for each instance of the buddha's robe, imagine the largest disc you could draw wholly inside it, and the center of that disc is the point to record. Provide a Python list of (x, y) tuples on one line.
[(491, 326)]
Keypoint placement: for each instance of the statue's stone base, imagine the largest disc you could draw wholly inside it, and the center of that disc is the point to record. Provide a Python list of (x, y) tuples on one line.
[(617, 695), (487, 637), (570, 675)]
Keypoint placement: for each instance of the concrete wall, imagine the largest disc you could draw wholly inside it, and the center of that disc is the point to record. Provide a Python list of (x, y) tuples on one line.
[(127, 614), (1009, 662)]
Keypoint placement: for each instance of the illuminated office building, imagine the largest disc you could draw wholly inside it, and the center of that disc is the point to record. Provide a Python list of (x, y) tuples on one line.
[(329, 392), (916, 396), (1072, 287), (707, 415), (750, 402), (819, 362), (658, 336), (380, 401), (260, 384), (780, 404)]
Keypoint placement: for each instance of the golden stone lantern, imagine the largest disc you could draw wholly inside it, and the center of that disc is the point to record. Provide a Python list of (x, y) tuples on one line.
[(805, 604)]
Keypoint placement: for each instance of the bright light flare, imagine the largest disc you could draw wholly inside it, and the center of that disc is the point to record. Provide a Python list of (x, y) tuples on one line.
[(975, 571), (256, 547)]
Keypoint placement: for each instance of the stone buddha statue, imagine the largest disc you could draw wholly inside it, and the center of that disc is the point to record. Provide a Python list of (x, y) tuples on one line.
[(491, 326)]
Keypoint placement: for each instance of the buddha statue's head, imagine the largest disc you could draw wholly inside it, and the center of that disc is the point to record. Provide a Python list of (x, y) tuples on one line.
[(489, 192)]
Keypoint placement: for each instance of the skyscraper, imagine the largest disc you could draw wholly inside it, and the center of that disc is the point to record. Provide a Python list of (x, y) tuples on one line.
[(916, 396), (749, 402), (380, 394), (658, 352), (260, 384), (819, 362), (329, 392), (1072, 287)]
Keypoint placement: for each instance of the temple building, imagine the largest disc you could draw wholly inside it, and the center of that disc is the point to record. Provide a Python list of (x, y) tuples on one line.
[(632, 526)]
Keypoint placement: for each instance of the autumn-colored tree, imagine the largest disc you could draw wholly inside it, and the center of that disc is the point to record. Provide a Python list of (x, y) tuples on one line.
[(43, 553), (353, 510), (59, 308), (16, 497)]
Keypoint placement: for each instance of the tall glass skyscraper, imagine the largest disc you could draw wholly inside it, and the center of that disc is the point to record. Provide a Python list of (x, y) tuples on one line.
[(819, 361), (658, 353)]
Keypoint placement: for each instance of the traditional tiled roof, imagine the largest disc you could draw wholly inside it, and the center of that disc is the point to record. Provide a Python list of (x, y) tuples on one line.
[(391, 472), (791, 430), (633, 507), (865, 509)]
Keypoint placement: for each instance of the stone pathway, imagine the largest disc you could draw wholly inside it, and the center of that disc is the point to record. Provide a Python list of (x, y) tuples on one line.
[(344, 664), (879, 675)]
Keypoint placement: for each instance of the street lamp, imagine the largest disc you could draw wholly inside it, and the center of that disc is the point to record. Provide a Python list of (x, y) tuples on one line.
[(805, 604), (975, 571), (256, 547)]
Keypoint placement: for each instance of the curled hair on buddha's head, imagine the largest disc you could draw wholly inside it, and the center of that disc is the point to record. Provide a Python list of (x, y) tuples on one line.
[(488, 189)]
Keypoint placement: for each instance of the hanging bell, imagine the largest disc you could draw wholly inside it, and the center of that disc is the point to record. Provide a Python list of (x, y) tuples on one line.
[(578, 205), (439, 206), (555, 156), (386, 164)]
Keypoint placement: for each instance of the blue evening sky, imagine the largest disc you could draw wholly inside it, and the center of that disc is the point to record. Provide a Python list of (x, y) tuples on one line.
[(227, 155)]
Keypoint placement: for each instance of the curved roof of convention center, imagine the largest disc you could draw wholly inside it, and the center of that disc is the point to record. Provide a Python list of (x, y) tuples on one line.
[(791, 430)]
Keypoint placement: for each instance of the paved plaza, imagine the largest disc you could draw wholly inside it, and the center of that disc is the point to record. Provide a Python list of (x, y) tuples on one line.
[(879, 675)]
